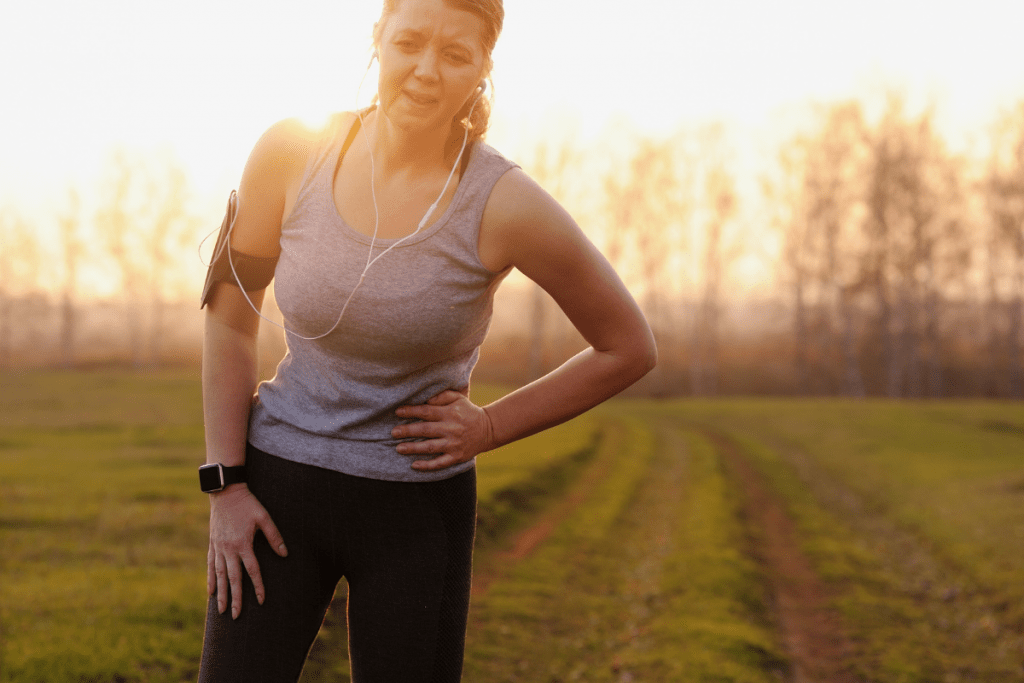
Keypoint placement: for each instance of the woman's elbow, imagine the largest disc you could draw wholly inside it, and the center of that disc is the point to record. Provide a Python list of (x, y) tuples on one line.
[(640, 357), (647, 356)]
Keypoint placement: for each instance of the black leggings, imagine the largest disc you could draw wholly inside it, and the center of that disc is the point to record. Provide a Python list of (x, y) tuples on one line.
[(406, 550)]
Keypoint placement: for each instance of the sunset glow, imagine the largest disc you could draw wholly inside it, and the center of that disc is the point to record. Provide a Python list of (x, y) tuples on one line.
[(207, 79), (198, 84)]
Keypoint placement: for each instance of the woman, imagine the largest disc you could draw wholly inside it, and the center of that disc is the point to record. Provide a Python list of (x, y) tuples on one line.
[(357, 459)]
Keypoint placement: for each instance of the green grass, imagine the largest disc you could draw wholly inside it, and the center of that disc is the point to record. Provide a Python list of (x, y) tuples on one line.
[(912, 513), (104, 533), (715, 623), (952, 472), (104, 546), (646, 580), (510, 465)]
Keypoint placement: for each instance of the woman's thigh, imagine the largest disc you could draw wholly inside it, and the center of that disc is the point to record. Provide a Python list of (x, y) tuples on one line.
[(269, 642), (409, 578)]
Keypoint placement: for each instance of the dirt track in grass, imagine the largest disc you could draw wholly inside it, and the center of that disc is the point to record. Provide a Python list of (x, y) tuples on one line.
[(491, 566), (812, 632)]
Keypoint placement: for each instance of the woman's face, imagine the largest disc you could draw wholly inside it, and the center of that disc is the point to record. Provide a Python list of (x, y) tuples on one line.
[(431, 61)]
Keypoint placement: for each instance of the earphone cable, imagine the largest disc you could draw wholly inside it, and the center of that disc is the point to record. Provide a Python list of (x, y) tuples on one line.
[(370, 259)]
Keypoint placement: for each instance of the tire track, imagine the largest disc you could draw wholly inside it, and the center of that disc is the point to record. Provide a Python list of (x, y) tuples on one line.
[(659, 591), (972, 626), (813, 633), (493, 565)]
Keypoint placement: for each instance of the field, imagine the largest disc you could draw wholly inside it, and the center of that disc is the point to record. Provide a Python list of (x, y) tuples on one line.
[(730, 540)]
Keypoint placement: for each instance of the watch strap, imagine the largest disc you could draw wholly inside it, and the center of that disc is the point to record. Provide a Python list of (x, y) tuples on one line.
[(216, 477), (233, 474)]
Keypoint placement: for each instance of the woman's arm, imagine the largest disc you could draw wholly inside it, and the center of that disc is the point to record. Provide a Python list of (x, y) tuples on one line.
[(268, 182), (526, 228)]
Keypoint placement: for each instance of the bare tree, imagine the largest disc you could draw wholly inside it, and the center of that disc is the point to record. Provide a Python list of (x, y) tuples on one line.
[(169, 234), (834, 181), (69, 224), (790, 220), (145, 227), (551, 168), (647, 212), (8, 236), (21, 299), (117, 220), (877, 227), (943, 248), (1004, 195), (721, 200), (825, 171), (917, 244)]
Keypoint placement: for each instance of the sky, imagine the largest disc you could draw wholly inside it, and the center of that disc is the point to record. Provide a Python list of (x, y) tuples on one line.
[(204, 78)]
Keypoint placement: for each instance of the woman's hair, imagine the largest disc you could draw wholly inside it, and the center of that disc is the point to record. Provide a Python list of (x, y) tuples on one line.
[(492, 14)]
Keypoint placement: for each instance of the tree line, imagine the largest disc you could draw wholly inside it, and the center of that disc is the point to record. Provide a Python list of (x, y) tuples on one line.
[(904, 261), (896, 264), (96, 279)]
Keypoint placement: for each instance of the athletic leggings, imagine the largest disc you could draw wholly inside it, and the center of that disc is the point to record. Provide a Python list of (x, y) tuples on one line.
[(405, 549)]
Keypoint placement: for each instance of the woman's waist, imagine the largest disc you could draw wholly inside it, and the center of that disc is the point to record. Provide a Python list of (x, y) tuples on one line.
[(368, 452)]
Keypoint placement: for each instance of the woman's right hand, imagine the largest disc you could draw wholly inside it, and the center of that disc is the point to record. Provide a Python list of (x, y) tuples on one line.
[(235, 515)]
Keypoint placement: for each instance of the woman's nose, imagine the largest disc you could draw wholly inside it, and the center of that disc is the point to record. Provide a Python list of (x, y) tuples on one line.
[(426, 66)]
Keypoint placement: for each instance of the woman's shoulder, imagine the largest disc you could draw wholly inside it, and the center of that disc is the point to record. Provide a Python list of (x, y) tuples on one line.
[(289, 143), (519, 218), (486, 155), (518, 199)]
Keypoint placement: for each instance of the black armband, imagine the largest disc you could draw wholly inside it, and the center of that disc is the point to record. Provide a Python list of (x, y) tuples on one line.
[(250, 272)]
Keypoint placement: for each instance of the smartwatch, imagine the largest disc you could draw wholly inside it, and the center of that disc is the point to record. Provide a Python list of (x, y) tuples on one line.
[(216, 477)]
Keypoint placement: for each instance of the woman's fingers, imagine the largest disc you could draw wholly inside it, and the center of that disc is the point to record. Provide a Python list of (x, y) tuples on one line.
[(438, 463), (235, 582), (433, 429), (434, 437), (421, 412), (446, 397), (222, 582), (229, 580), (447, 417), (211, 571), (253, 568), (450, 427), (234, 522), (274, 538)]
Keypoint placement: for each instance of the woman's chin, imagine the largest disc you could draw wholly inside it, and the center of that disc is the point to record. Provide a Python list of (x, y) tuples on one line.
[(418, 119)]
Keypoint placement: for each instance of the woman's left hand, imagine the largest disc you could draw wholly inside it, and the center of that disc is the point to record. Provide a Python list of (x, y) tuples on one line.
[(452, 428)]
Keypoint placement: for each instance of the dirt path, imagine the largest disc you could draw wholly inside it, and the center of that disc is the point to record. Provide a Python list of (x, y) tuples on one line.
[(491, 566), (590, 595), (601, 629), (962, 630), (811, 631)]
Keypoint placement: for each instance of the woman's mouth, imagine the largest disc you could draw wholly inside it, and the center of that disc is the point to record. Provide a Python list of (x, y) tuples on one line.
[(420, 99)]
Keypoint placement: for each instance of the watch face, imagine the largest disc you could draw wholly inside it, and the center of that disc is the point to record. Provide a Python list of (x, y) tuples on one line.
[(210, 478)]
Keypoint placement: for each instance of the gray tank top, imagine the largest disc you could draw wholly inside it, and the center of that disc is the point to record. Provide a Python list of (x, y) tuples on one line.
[(412, 330)]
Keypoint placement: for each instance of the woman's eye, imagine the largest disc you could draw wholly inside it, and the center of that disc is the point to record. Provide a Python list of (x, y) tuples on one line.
[(457, 58)]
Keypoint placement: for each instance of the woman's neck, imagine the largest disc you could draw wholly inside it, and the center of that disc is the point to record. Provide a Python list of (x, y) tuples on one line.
[(397, 151)]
